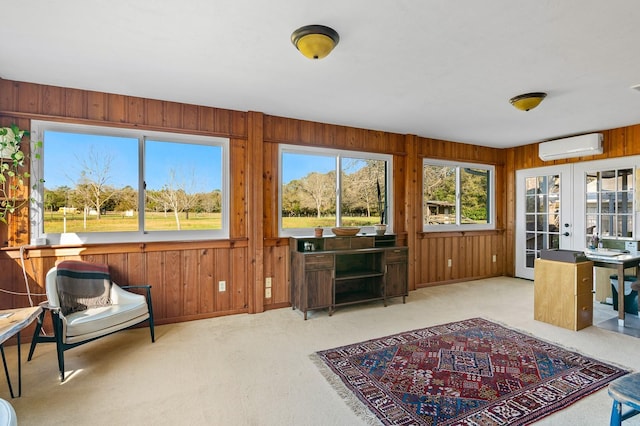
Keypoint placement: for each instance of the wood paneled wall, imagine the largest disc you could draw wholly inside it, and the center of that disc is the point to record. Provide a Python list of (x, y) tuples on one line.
[(184, 275), (445, 257)]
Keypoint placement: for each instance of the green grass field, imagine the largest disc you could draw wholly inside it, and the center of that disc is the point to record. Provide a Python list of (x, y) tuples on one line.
[(327, 222), (115, 222)]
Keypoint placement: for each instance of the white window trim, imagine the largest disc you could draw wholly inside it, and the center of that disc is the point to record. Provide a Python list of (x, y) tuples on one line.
[(491, 225), (38, 236), (329, 152)]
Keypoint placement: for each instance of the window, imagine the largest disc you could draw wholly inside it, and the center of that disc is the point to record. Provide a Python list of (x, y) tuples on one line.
[(327, 188), (457, 196), (609, 203), (97, 178)]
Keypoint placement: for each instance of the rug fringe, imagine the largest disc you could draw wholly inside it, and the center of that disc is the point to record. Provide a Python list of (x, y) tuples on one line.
[(352, 401)]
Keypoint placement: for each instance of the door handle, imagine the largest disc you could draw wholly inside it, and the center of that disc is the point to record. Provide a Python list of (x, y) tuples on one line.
[(566, 234)]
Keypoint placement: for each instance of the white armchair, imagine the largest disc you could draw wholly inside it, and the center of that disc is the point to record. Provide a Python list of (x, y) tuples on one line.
[(125, 309)]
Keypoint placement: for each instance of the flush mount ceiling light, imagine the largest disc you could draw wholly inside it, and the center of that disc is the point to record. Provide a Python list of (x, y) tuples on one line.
[(315, 41), (527, 101)]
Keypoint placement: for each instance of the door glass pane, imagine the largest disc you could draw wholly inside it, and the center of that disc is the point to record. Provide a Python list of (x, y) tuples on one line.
[(554, 184), (625, 223), (531, 222), (609, 201), (624, 202), (531, 242), (542, 203), (530, 204), (542, 185), (542, 215)]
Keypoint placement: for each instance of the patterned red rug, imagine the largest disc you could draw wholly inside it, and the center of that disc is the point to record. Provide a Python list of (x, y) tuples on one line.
[(472, 372)]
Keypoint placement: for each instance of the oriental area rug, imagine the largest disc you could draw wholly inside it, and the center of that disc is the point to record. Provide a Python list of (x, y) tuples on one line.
[(471, 372)]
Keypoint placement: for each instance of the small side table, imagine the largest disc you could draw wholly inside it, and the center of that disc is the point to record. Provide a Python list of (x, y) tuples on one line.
[(12, 321)]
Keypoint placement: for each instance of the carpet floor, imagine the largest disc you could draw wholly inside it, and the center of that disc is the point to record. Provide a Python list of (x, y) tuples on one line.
[(255, 369)]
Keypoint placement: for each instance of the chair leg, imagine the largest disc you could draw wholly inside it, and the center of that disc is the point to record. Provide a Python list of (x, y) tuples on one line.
[(60, 351), (57, 331), (150, 305), (616, 414), (36, 335)]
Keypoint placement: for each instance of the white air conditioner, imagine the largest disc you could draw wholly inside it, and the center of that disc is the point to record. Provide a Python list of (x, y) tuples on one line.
[(576, 146)]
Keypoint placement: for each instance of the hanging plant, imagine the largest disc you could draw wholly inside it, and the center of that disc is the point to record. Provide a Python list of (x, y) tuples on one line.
[(13, 173)]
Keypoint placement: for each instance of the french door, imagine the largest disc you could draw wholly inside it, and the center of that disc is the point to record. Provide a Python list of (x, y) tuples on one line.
[(560, 207), (544, 214)]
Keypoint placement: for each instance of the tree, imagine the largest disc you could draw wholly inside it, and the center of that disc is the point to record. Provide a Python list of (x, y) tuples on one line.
[(361, 186), (92, 185), (177, 195), (126, 199), (320, 188)]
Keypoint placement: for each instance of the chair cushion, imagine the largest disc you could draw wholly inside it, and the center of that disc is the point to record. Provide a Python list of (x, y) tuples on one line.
[(107, 318), (82, 285)]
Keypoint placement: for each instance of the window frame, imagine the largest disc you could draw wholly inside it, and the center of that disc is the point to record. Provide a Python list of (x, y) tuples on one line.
[(337, 153), (490, 225), (36, 211)]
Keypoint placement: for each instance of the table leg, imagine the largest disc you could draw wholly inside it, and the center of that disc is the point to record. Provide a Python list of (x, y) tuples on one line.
[(6, 370), (620, 295)]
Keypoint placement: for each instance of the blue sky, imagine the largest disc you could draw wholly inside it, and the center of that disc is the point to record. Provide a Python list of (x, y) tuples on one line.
[(296, 166), (64, 154)]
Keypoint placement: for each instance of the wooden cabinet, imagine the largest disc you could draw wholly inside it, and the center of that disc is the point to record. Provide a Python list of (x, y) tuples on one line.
[(396, 279), (563, 293), (336, 271)]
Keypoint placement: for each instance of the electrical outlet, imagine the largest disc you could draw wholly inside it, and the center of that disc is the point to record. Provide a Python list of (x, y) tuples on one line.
[(267, 282), (267, 293), (449, 263), (222, 285), (494, 258)]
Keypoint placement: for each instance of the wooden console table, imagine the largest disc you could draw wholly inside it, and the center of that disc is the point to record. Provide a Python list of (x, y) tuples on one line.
[(12, 322), (328, 272)]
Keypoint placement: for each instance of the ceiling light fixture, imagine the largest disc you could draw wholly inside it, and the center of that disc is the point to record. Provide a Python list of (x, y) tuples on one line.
[(315, 41), (527, 101)]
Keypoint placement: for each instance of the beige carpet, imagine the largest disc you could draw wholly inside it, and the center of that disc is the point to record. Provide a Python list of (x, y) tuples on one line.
[(255, 369)]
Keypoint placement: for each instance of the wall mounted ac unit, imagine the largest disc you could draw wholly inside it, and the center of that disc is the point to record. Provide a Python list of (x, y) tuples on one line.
[(575, 146)]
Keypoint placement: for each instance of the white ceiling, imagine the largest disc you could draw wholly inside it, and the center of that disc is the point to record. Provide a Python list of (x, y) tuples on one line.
[(441, 69)]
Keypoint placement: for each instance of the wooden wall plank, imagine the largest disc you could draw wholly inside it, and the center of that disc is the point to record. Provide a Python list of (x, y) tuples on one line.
[(191, 279), (239, 194), (97, 106), (155, 266), (207, 283), (222, 272), (53, 100), (173, 284), (241, 276), (75, 103), (117, 108)]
